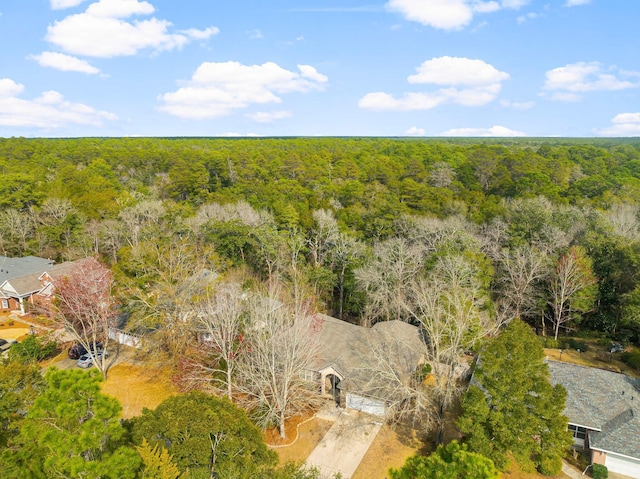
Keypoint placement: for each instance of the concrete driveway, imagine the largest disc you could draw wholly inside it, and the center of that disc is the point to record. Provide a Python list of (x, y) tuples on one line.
[(345, 444)]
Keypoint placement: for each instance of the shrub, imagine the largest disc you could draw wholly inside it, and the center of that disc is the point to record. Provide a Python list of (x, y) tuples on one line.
[(600, 472), (626, 336), (577, 344), (589, 334), (631, 359), (550, 466), (32, 349), (549, 342)]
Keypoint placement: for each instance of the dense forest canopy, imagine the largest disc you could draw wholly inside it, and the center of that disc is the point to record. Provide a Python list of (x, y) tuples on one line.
[(338, 204)]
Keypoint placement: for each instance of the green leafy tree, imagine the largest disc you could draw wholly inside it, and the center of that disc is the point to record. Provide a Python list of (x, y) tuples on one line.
[(73, 431), (20, 384), (512, 408), (206, 435), (452, 461)]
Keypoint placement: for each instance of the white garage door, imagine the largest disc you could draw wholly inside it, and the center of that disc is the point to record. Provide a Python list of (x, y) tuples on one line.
[(623, 465), (368, 405)]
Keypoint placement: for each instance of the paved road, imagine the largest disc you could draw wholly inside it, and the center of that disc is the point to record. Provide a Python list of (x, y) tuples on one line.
[(345, 444)]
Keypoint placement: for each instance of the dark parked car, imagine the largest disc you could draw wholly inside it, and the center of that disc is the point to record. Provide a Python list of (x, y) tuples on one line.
[(78, 350), (6, 344)]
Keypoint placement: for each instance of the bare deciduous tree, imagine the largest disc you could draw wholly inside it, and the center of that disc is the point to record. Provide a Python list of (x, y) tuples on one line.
[(520, 269), (572, 286), (15, 228), (331, 247), (140, 219), (442, 174), (385, 279), (220, 322), (322, 235), (281, 347), (449, 309), (624, 219)]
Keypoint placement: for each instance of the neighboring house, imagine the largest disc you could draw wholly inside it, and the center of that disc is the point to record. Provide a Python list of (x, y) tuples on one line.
[(603, 408), (352, 356), (28, 281)]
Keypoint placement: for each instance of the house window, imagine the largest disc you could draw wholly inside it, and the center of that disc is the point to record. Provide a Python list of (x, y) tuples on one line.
[(578, 432), (5, 304), (308, 375)]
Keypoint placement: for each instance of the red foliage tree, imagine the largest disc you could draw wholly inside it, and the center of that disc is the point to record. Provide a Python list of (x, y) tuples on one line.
[(85, 308)]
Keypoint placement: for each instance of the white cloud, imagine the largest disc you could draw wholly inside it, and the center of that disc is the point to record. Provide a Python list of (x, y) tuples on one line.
[(217, 89), (65, 63), (569, 81), (119, 8), (443, 14), (49, 110), (626, 118), (448, 14), (465, 81), (268, 117), (102, 31), (9, 88), (500, 131), (415, 131), (565, 97), (486, 7), (309, 72), (624, 124), (61, 4), (575, 3), (514, 4), (201, 34), (528, 16), (523, 105), (255, 34), (457, 71)]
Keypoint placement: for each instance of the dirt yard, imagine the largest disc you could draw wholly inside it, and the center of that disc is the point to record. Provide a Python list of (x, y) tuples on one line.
[(12, 329), (390, 449), (138, 386), (301, 444)]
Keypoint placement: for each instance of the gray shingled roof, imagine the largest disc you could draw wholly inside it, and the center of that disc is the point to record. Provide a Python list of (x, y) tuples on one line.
[(27, 284), (15, 267), (603, 400), (352, 350)]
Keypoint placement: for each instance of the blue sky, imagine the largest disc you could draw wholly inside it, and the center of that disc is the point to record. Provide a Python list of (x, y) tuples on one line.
[(319, 67)]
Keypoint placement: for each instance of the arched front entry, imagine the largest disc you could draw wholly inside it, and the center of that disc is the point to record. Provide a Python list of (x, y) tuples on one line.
[(331, 387), (330, 380)]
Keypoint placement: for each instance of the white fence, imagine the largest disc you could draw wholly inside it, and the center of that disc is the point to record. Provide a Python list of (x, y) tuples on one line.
[(128, 339)]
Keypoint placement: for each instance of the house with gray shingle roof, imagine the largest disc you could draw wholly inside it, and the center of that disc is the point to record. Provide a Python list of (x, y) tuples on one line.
[(347, 353), (27, 281), (603, 408)]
